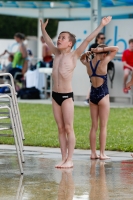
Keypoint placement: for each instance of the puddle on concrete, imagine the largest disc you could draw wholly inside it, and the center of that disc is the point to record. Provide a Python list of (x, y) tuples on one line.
[(89, 180)]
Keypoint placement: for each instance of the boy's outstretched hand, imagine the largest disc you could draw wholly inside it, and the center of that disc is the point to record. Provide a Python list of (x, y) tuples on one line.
[(106, 20), (43, 25)]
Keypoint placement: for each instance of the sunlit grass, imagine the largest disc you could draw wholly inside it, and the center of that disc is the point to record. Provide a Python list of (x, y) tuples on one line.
[(40, 128)]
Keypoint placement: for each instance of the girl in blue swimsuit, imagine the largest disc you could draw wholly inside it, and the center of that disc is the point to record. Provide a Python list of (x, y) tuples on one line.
[(99, 95)]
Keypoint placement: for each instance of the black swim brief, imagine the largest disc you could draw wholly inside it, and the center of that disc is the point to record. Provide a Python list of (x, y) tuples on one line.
[(60, 97)]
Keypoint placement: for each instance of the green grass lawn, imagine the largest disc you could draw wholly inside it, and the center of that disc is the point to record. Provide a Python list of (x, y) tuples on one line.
[(40, 128)]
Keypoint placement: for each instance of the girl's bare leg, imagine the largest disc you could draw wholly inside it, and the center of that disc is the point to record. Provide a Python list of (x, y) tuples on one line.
[(94, 126), (68, 115), (61, 130), (104, 107)]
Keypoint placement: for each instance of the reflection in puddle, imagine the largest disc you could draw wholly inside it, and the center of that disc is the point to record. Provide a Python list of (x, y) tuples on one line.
[(98, 186), (20, 189), (66, 186), (89, 180)]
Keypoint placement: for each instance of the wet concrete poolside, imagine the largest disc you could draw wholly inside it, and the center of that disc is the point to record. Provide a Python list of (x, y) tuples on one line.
[(89, 180)]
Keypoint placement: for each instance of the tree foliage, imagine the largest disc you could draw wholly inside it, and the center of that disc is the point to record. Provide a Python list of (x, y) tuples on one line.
[(9, 25)]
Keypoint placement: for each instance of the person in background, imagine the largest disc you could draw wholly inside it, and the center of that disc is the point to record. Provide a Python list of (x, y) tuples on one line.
[(128, 87), (30, 59), (7, 67), (20, 62), (46, 54), (100, 39), (127, 59)]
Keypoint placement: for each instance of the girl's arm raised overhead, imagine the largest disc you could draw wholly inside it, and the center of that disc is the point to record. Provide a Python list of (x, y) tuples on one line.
[(46, 37), (111, 49), (85, 43)]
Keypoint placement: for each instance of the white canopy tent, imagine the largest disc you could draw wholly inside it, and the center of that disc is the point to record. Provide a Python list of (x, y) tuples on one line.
[(67, 10)]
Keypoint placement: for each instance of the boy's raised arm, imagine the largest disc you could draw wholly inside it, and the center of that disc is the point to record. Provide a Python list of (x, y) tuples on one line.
[(46, 37), (85, 43)]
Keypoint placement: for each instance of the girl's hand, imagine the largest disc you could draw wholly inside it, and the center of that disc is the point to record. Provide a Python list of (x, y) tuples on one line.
[(88, 53)]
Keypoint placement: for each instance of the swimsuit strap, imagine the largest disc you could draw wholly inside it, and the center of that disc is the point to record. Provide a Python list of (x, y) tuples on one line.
[(94, 71), (92, 67), (96, 65)]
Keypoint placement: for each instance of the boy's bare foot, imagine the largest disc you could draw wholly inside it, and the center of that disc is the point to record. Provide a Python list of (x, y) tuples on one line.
[(94, 156), (60, 164), (67, 164), (103, 157), (132, 154)]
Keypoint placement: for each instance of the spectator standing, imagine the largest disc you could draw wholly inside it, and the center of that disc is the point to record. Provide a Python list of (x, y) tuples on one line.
[(127, 59)]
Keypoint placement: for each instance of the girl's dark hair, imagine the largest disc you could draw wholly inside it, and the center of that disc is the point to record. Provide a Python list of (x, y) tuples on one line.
[(102, 46), (20, 36), (98, 36)]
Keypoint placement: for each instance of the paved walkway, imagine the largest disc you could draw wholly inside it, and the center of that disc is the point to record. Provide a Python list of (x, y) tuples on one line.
[(115, 155), (88, 180)]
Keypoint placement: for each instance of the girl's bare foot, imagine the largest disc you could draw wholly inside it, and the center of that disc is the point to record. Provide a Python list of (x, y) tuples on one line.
[(60, 164), (103, 157), (132, 154), (94, 156), (67, 164)]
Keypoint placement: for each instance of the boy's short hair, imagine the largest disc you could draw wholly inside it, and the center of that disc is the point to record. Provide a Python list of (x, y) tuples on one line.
[(131, 40), (72, 37)]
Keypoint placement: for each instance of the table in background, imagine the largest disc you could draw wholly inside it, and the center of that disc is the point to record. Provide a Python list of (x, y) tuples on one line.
[(48, 82)]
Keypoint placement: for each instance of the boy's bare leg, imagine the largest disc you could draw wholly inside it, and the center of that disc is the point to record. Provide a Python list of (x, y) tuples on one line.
[(61, 130), (94, 126), (68, 115), (104, 107)]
